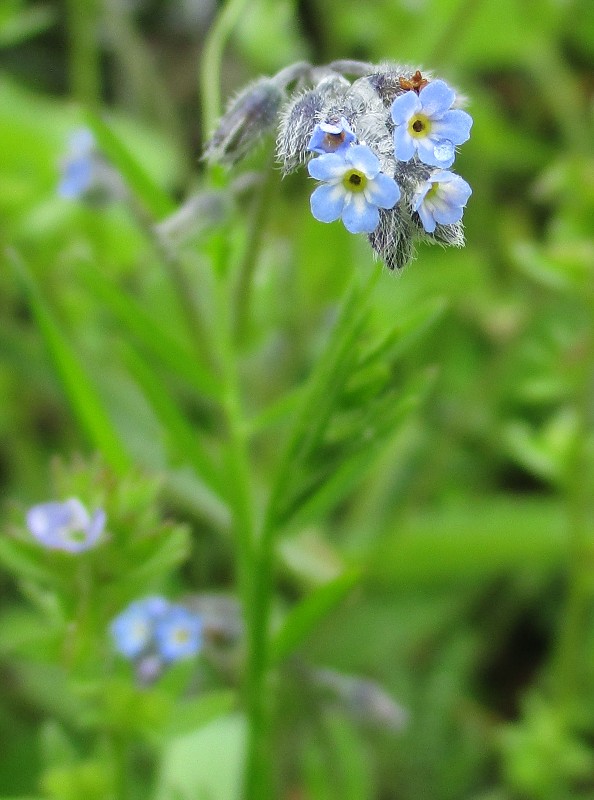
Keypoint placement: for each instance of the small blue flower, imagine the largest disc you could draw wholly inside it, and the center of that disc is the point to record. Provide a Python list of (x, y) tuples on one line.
[(441, 199), (178, 634), (353, 189), (78, 167), (427, 125), (66, 526), (331, 138), (133, 630)]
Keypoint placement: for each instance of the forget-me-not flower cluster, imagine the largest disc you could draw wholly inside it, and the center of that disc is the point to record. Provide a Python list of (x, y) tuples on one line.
[(379, 139), (154, 633)]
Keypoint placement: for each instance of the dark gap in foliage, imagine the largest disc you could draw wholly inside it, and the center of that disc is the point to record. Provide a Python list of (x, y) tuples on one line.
[(512, 478), (519, 646)]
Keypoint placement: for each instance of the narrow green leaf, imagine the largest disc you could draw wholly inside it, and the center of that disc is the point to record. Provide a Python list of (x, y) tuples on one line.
[(319, 397), (157, 201), (469, 543), (183, 439), (306, 615), (81, 393), (151, 336), (365, 443)]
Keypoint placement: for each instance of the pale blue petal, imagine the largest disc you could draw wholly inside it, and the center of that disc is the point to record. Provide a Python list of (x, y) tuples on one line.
[(426, 218), (383, 191), (456, 191), (317, 140), (446, 214), (404, 106), (327, 202), (329, 167), (454, 125), (359, 216), (420, 194), (426, 149), (363, 159), (404, 145), (436, 98)]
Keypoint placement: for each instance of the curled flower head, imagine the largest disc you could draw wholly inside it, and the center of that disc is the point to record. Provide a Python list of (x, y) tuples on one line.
[(353, 189), (441, 199), (428, 126), (178, 634), (331, 137), (132, 630), (66, 526)]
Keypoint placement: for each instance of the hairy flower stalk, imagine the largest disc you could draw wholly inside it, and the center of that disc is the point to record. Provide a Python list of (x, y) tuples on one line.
[(403, 123)]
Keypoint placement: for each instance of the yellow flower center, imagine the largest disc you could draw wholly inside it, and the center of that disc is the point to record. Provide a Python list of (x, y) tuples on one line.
[(354, 181), (419, 126), (432, 191), (181, 636)]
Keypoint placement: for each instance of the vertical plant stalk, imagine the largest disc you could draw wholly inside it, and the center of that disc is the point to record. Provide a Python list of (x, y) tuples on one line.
[(210, 68), (85, 72), (568, 676), (258, 782)]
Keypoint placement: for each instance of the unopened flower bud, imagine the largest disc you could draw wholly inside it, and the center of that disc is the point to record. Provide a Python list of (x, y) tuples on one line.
[(250, 116)]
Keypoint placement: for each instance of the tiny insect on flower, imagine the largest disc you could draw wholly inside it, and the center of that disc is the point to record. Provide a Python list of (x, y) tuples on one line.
[(66, 526), (331, 137), (354, 189), (427, 125), (441, 199)]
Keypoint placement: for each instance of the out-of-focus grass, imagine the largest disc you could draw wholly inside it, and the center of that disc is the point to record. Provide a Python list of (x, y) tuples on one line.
[(464, 526)]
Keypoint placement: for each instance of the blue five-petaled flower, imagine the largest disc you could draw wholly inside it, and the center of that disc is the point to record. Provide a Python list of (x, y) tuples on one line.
[(354, 188), (178, 634), (132, 630), (441, 199), (426, 124), (66, 526), (331, 137)]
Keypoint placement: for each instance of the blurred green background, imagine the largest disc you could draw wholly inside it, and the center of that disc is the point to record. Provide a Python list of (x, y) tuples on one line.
[(474, 523)]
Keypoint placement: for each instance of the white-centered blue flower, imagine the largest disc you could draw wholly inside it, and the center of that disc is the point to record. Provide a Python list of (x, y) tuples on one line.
[(441, 199), (66, 526), (427, 125), (133, 630), (178, 634), (331, 137), (354, 189)]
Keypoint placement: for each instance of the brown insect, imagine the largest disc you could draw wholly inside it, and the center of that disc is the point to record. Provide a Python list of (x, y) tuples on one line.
[(416, 82)]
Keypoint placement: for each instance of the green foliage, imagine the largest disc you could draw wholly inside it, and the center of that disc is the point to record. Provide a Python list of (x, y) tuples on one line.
[(387, 476)]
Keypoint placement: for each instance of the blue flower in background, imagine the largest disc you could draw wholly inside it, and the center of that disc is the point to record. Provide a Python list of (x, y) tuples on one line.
[(441, 199), (428, 126), (331, 138), (133, 630), (178, 634), (354, 189), (78, 167), (66, 526)]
